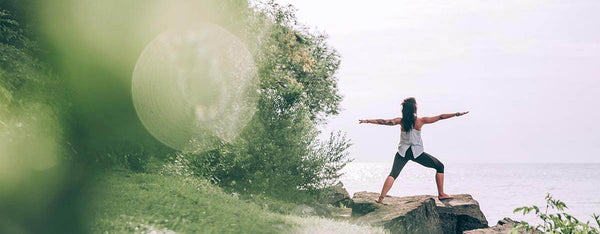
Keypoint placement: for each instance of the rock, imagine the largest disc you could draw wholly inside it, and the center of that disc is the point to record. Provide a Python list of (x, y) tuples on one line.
[(303, 210), (419, 214), (311, 210), (400, 215), (337, 195), (503, 226), (460, 213)]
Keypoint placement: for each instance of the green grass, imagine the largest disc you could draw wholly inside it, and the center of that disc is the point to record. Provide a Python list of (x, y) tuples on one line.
[(125, 202), (136, 202)]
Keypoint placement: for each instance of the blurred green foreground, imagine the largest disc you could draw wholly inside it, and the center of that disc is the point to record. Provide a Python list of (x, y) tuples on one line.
[(68, 122)]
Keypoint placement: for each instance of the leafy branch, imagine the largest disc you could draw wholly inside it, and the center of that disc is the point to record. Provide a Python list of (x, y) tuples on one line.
[(558, 222)]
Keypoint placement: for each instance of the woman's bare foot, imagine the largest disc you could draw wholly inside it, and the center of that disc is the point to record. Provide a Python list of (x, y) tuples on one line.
[(444, 196), (380, 200)]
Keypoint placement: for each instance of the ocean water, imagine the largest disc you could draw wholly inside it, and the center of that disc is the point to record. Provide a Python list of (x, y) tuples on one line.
[(499, 188)]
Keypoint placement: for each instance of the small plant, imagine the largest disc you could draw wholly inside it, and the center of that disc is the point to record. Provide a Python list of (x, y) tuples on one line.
[(559, 222)]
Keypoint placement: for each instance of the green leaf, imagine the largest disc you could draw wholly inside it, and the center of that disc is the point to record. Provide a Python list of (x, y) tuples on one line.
[(518, 209), (537, 210)]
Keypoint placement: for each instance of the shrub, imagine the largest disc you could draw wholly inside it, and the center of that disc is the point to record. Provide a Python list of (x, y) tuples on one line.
[(559, 222)]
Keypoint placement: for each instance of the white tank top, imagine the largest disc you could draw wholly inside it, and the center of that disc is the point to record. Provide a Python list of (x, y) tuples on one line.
[(411, 139)]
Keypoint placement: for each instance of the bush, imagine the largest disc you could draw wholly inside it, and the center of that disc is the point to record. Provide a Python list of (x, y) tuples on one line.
[(559, 222), (252, 166)]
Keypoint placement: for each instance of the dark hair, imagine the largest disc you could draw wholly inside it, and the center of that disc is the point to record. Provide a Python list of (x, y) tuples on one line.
[(409, 108)]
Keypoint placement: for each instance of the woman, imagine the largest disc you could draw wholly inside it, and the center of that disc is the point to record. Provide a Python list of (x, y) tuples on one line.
[(411, 144)]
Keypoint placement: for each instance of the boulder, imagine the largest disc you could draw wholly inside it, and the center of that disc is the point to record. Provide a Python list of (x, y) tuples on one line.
[(419, 214), (399, 214), (460, 213), (503, 226), (337, 195)]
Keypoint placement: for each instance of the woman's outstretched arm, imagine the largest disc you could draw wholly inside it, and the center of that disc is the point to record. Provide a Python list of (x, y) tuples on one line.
[(428, 120), (389, 122)]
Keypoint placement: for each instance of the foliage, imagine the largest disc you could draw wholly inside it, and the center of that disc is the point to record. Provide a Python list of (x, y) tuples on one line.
[(279, 153), (329, 157), (30, 94), (298, 89), (87, 90), (559, 222), (22, 76), (297, 66), (250, 165), (13, 33), (37, 191)]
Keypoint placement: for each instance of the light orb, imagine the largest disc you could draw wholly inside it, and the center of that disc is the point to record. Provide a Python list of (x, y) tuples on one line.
[(195, 88)]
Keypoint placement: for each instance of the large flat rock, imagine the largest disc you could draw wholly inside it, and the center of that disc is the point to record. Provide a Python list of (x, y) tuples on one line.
[(419, 214), (398, 214)]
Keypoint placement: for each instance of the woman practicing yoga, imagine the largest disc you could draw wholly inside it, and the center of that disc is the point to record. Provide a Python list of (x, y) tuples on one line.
[(411, 144)]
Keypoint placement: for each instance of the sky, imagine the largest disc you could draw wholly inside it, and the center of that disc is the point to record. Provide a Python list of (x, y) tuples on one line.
[(528, 72)]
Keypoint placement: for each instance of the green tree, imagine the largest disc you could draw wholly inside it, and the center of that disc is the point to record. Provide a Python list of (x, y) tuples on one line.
[(279, 152)]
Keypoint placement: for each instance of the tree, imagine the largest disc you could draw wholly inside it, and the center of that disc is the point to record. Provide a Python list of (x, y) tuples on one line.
[(279, 152)]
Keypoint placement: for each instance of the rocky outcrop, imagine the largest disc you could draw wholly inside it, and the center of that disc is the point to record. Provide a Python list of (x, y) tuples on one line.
[(419, 214), (503, 226), (399, 215), (337, 195), (460, 213)]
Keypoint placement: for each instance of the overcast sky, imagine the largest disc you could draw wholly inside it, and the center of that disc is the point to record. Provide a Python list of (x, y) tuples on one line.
[(529, 72)]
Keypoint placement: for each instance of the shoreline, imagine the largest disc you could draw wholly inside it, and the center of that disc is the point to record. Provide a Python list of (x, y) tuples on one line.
[(499, 188)]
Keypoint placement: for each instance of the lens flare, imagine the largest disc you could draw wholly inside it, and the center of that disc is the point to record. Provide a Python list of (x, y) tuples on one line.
[(196, 87)]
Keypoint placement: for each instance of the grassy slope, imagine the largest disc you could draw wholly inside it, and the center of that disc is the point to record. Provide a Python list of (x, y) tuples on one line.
[(129, 202), (149, 201)]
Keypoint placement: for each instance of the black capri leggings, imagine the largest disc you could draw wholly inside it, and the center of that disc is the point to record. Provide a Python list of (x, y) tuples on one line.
[(424, 159)]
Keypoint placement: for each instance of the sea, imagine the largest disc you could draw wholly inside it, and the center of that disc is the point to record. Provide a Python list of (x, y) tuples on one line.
[(499, 188)]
